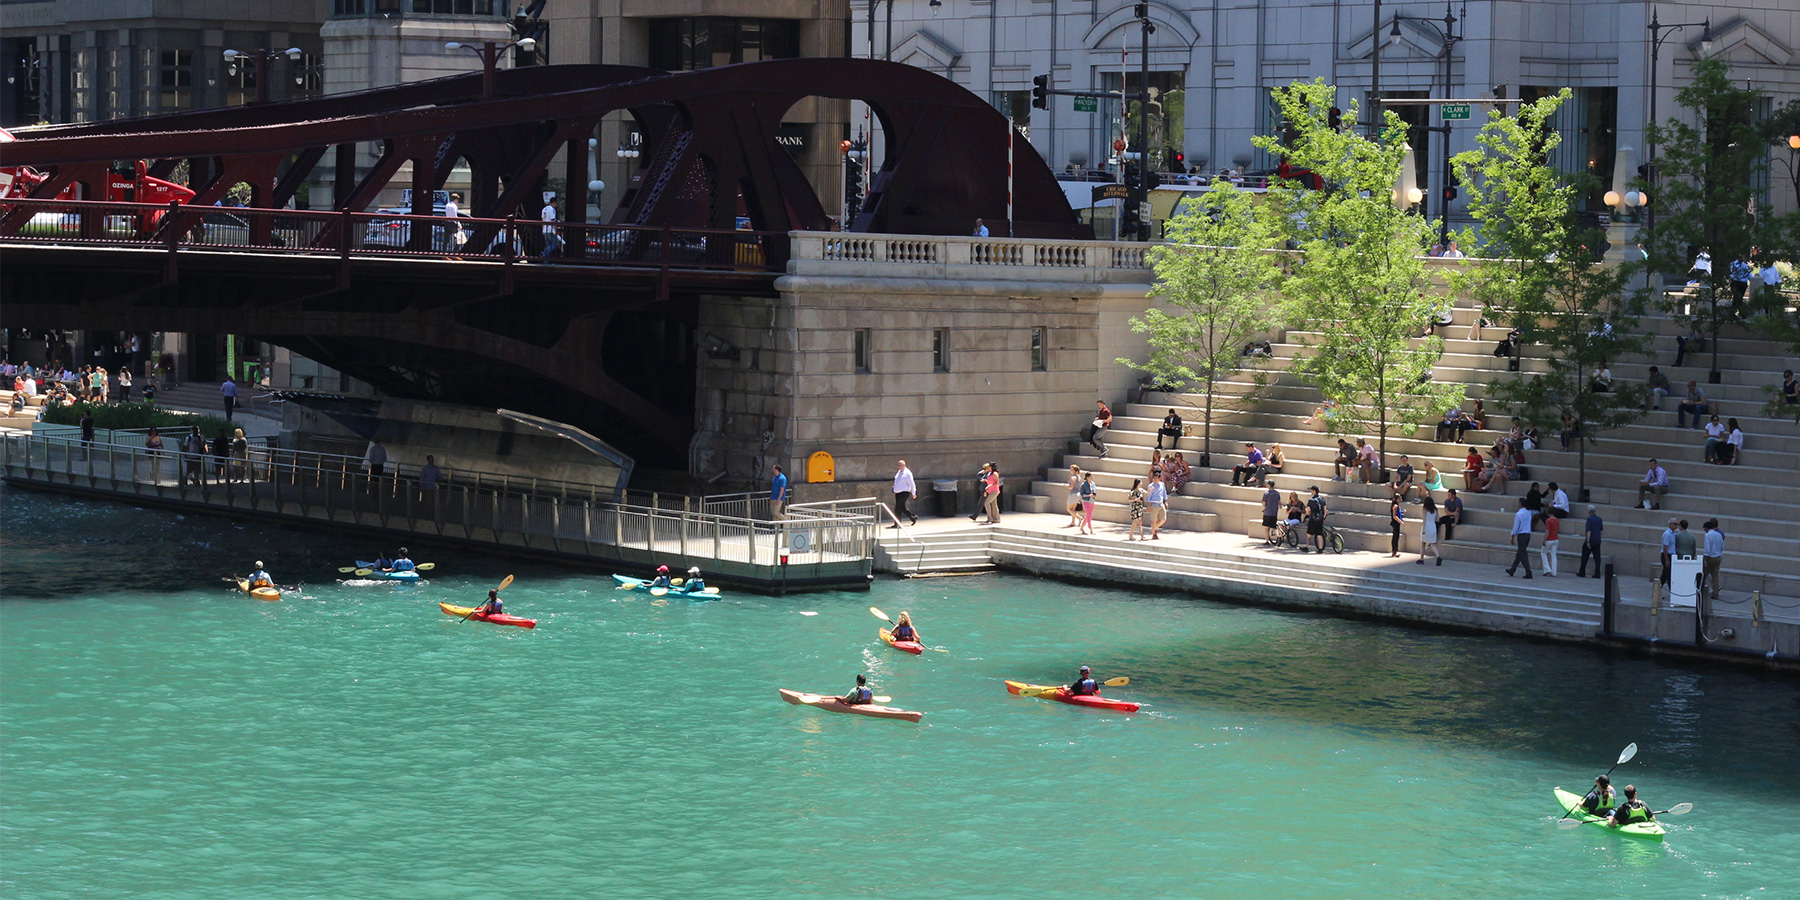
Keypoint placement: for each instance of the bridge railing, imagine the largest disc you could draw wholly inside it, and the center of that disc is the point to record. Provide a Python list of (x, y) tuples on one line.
[(175, 227), (505, 514)]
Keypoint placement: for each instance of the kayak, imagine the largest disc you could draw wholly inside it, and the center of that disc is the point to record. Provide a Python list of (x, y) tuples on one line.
[(833, 704), (1052, 692), (501, 619), (913, 647), (632, 584), (395, 574), (261, 593), (1651, 830)]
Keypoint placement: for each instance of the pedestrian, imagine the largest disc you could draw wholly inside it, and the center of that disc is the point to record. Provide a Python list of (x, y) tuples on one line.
[(124, 385), (1590, 542), (376, 460), (229, 392), (87, 431), (778, 495), (1156, 501), (221, 452), (153, 447), (430, 474), (904, 490), (552, 241), (1547, 550), (1428, 530), (1521, 535), (1396, 518), (1102, 421), (1088, 493), (1136, 498), (1316, 511), (193, 460), (1713, 557), (981, 230), (240, 456), (1668, 552), (990, 493), (1271, 509), (1074, 504)]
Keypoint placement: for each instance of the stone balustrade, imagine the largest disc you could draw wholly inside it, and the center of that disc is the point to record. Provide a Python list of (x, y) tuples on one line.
[(932, 256)]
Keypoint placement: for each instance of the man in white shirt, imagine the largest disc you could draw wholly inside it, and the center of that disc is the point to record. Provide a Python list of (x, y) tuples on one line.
[(552, 241), (1771, 280), (1712, 556), (980, 229), (1521, 535), (1656, 481), (1453, 253), (1668, 551), (1559, 501), (904, 490)]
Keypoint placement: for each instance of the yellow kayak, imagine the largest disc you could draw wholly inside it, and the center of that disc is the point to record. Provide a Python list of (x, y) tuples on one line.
[(261, 593)]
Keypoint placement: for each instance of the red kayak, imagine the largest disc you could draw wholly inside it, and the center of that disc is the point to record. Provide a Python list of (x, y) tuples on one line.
[(497, 619), (1051, 692), (913, 647)]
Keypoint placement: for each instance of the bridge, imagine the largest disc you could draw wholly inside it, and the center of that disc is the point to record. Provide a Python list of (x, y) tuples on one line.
[(465, 310)]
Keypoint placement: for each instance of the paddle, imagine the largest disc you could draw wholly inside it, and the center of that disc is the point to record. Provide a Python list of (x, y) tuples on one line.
[(502, 587), (1679, 809), (659, 592), (425, 567), (1624, 757), (346, 569), (363, 572), (1120, 681)]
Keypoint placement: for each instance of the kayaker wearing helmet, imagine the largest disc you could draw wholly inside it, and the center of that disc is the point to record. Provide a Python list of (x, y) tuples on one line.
[(259, 578), (662, 577), (491, 606), (402, 563), (1599, 801), (1631, 812), (694, 583), (1085, 686), (903, 628), (861, 695)]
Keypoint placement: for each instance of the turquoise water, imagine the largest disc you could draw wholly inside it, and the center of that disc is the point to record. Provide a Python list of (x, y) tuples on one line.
[(165, 737)]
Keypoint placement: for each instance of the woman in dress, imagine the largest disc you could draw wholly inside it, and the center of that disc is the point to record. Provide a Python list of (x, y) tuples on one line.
[(1088, 492), (1137, 510), (1433, 481), (1074, 506), (1428, 531), (1179, 473), (153, 444)]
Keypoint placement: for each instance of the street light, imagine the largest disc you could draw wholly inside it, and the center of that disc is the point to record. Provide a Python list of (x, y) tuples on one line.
[(1657, 36), (1447, 34), (490, 51), (237, 58)]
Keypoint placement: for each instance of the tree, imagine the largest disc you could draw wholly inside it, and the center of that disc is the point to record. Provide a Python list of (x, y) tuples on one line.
[(1709, 168), (1360, 290), (1541, 271), (1216, 274)]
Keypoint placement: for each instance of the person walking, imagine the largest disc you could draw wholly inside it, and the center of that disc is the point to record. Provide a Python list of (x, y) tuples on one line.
[(1547, 550), (1590, 542), (1521, 535), (1712, 557), (552, 240), (1088, 493), (778, 495), (375, 461), (1428, 530), (904, 490), (1155, 501), (229, 392), (124, 385), (1074, 504), (1102, 421), (153, 448), (87, 432), (1396, 517), (990, 493), (1136, 498), (193, 459)]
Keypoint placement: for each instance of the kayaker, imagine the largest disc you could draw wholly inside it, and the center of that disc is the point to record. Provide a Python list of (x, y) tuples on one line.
[(694, 583), (1085, 686), (491, 606), (402, 563), (1631, 812), (383, 563), (259, 578), (903, 628), (861, 696), (1599, 801), (662, 577)]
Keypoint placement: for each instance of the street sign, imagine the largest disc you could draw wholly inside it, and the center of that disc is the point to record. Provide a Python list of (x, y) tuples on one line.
[(1086, 104), (1456, 111), (1144, 211), (1111, 192)]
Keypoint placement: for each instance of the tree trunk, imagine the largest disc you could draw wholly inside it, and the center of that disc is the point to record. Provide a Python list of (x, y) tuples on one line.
[(1206, 439), (1581, 464)]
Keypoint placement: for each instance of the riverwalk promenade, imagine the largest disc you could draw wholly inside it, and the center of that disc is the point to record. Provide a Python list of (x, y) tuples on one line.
[(1458, 594)]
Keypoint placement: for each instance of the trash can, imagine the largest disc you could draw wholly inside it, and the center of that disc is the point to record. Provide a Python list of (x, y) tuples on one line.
[(945, 491)]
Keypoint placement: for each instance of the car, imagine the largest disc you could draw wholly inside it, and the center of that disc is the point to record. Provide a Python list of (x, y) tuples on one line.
[(397, 233), (645, 245)]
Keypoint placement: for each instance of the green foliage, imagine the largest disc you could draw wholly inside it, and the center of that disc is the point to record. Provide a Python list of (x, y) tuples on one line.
[(1542, 278), (1216, 276), (1361, 286), (134, 415)]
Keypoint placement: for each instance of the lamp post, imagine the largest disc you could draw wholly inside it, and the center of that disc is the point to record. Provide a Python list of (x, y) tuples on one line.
[(490, 51), (1447, 34), (261, 59), (1659, 33)]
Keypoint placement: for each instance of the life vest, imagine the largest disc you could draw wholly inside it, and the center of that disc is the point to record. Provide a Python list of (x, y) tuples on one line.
[(903, 632), (864, 695), (1631, 811), (1085, 687), (403, 565)]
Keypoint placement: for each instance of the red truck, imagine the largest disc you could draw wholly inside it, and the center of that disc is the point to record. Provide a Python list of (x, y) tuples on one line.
[(127, 181)]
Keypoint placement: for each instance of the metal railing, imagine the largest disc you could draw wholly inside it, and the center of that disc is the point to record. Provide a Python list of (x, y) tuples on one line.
[(504, 512)]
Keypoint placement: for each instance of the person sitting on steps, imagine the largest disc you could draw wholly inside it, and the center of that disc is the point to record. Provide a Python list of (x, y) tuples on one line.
[(1345, 462), (1252, 467), (1171, 429)]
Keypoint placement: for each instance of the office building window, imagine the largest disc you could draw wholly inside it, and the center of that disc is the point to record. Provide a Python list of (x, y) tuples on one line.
[(349, 7), (863, 352), (459, 7), (940, 350), (1037, 349), (240, 87), (81, 85), (175, 78), (702, 42)]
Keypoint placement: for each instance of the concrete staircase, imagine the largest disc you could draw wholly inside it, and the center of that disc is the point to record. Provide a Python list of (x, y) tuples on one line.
[(901, 551)]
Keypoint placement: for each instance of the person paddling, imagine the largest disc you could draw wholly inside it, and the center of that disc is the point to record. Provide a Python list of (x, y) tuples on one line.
[(1084, 686), (662, 577), (861, 696), (1599, 801), (903, 628), (491, 606), (1631, 812), (403, 563), (259, 578), (382, 563), (694, 584)]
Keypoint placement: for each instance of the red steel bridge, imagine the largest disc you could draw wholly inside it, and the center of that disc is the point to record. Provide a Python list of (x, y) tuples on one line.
[(467, 310)]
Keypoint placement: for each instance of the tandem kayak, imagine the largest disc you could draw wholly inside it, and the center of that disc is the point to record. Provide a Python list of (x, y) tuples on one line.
[(834, 704), (1053, 692), (640, 584), (913, 647), (395, 574), (261, 593), (501, 619), (1650, 830)]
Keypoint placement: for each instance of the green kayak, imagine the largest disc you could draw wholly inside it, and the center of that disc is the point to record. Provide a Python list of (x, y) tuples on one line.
[(1652, 830)]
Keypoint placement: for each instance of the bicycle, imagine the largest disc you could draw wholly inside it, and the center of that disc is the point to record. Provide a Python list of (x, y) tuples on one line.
[(1286, 532), (1334, 539)]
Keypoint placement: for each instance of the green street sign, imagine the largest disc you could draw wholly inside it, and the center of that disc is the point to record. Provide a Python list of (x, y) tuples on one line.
[(1456, 111), (1086, 104)]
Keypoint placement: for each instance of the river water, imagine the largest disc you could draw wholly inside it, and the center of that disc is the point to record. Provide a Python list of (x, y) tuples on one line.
[(166, 737)]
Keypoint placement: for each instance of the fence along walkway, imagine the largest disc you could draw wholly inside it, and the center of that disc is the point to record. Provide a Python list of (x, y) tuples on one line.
[(822, 547)]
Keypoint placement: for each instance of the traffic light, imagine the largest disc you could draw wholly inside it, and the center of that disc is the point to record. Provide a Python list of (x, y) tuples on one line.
[(1335, 118), (1181, 159), (1151, 180), (854, 153), (1040, 91), (1450, 193)]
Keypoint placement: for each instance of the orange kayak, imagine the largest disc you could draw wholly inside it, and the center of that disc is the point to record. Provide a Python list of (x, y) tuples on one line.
[(500, 619), (261, 593), (833, 704), (913, 647)]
